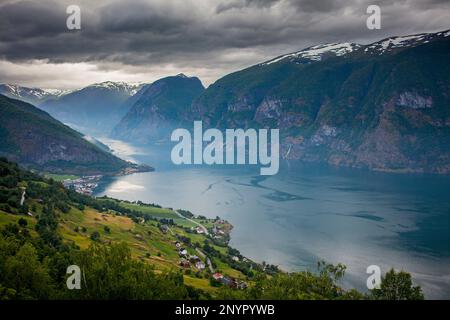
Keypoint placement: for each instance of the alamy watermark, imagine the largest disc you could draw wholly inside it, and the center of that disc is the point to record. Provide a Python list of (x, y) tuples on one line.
[(374, 280), (73, 21), (373, 22), (239, 147), (74, 280)]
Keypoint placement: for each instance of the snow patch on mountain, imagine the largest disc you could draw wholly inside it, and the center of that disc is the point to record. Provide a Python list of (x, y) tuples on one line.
[(393, 43), (444, 33), (57, 92), (316, 53), (390, 44), (129, 88), (31, 95), (319, 52)]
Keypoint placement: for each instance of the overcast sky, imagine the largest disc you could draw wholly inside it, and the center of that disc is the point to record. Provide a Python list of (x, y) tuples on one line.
[(143, 40)]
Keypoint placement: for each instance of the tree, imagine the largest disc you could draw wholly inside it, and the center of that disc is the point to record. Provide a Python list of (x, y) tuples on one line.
[(47, 226), (110, 272), (22, 222), (397, 286), (95, 236), (27, 275)]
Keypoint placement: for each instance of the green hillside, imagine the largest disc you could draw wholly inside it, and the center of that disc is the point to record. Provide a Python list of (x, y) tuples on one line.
[(62, 220), (34, 139)]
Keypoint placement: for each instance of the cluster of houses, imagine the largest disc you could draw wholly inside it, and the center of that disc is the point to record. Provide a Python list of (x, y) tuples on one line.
[(187, 260), (84, 185), (199, 230), (218, 231), (230, 282)]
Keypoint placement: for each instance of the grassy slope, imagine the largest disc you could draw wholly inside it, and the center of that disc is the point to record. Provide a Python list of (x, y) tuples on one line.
[(146, 240), (61, 177)]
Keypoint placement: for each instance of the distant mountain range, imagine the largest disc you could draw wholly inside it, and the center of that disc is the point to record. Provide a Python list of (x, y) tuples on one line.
[(95, 109), (382, 106), (34, 139), (34, 96)]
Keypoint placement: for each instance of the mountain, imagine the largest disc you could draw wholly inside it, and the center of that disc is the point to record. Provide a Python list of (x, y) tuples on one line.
[(33, 138), (135, 97), (159, 109), (31, 95), (94, 109), (316, 53), (382, 106)]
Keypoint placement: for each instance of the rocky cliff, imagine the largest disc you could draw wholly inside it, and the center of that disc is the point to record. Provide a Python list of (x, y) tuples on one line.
[(383, 106)]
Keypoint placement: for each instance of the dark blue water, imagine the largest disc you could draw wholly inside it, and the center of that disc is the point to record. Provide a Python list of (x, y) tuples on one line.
[(306, 213)]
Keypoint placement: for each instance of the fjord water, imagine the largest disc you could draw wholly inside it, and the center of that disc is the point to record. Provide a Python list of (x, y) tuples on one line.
[(307, 213)]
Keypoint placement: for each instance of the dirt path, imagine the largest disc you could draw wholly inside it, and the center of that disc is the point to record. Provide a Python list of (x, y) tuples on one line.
[(195, 222)]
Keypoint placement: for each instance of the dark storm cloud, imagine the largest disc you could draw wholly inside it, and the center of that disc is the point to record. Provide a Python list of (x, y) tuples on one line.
[(28, 19), (201, 35), (317, 6), (240, 4)]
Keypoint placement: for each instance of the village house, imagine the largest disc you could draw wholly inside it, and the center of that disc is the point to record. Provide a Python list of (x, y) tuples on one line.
[(217, 276), (230, 282), (217, 231), (199, 230), (194, 258), (200, 265), (185, 263)]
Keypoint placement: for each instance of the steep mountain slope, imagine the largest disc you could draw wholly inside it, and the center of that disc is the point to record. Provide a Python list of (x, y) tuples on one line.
[(31, 95), (33, 138), (94, 109), (384, 106), (160, 108), (135, 97)]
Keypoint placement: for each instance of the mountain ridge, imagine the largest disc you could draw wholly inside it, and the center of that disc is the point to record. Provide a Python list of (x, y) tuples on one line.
[(94, 109), (376, 106), (33, 138), (386, 111), (158, 109), (30, 95), (314, 53)]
